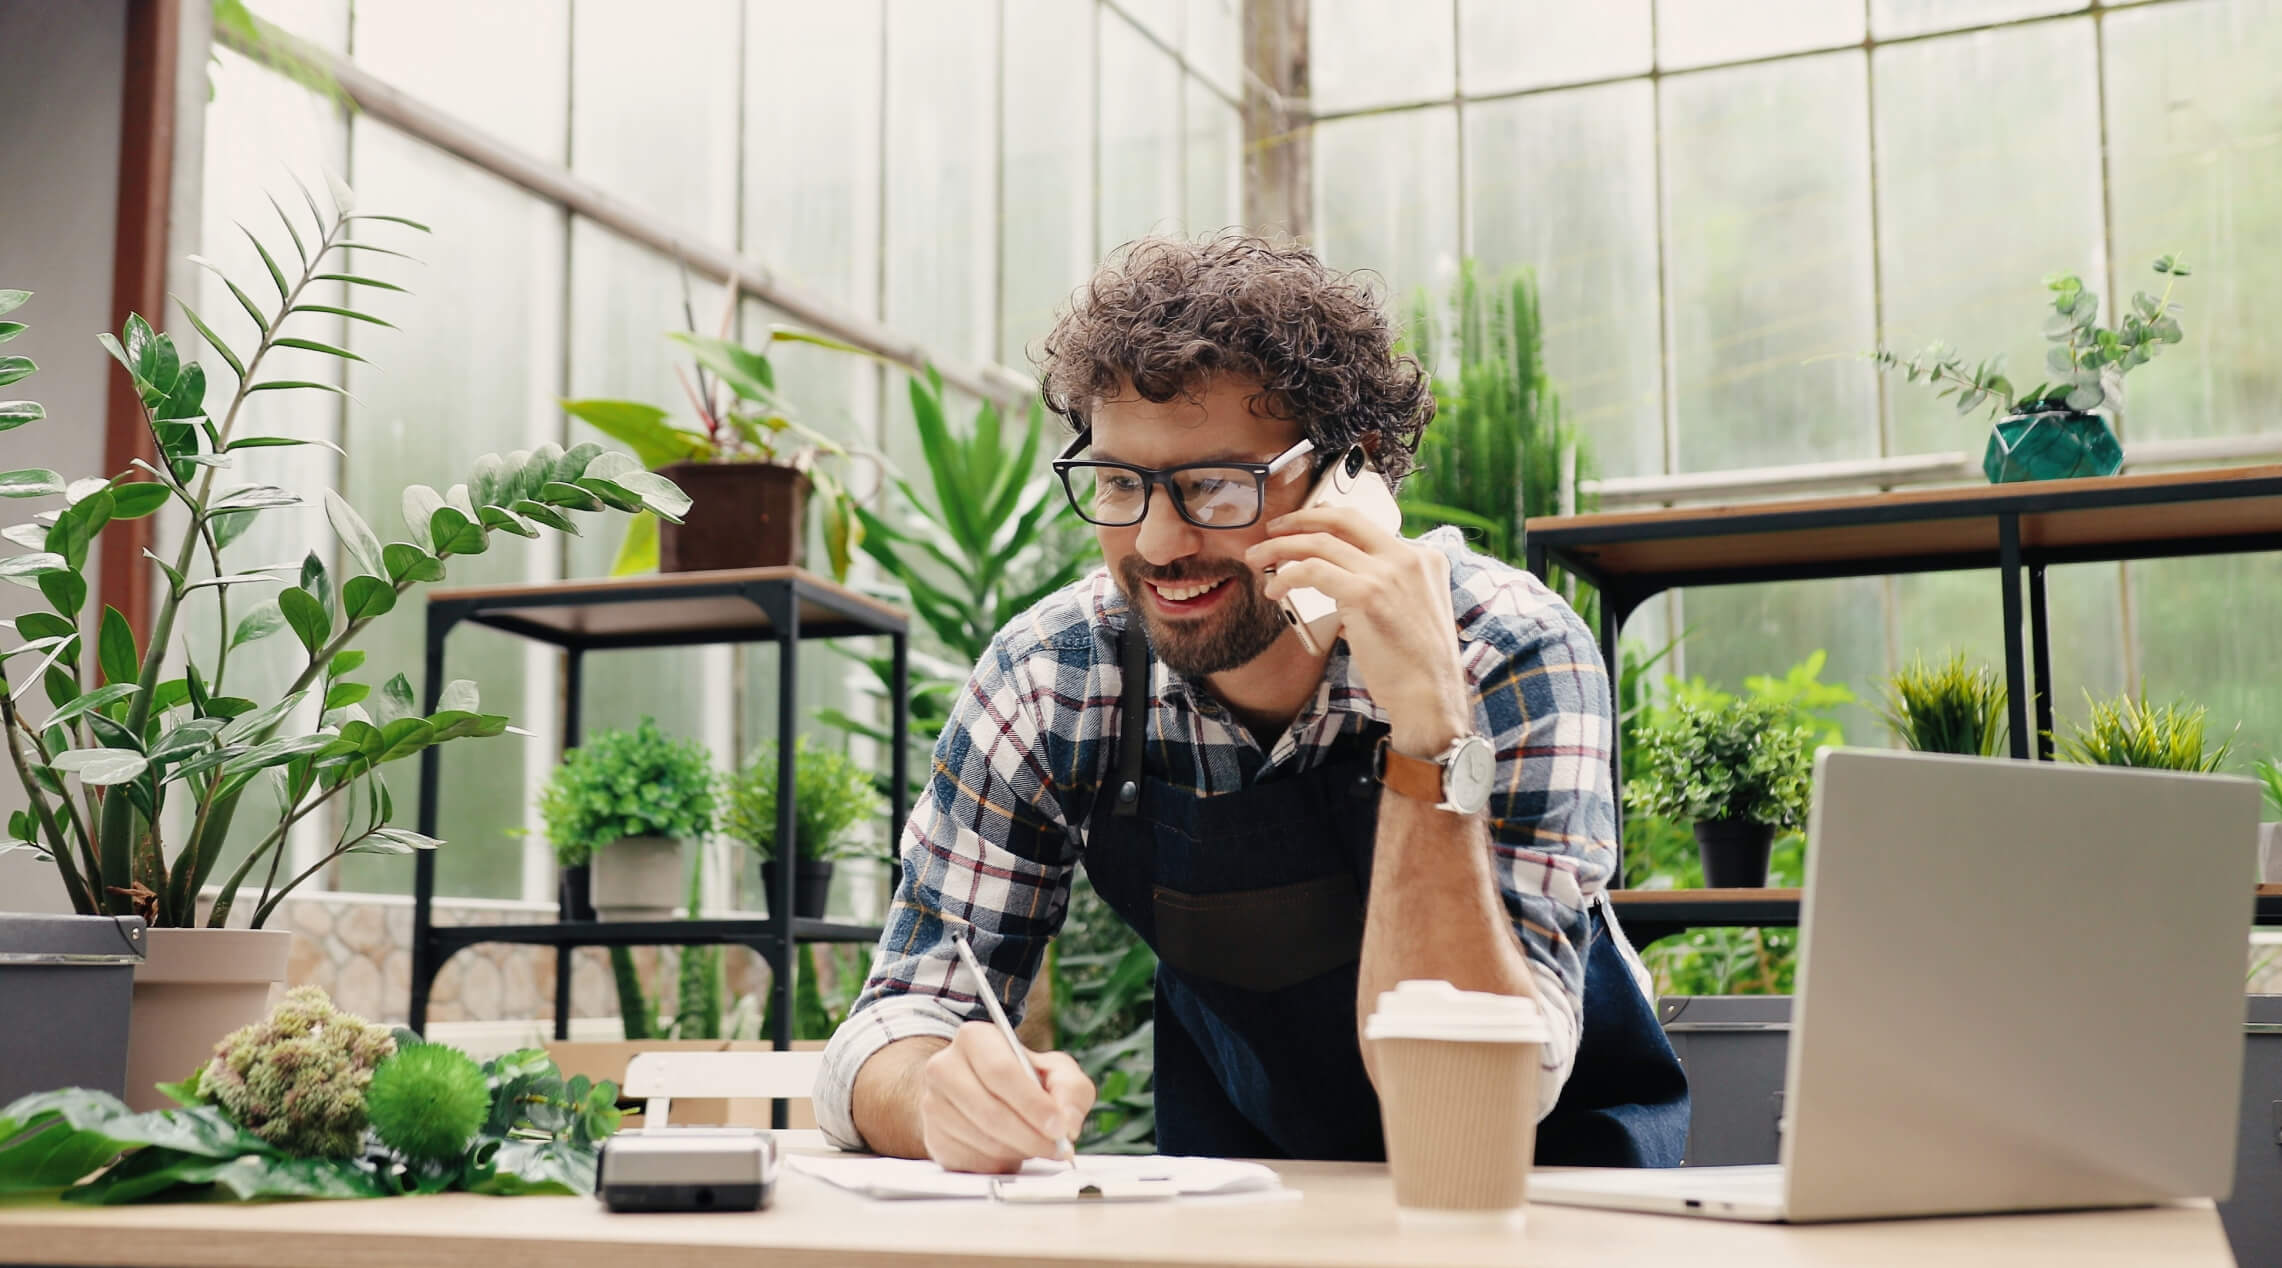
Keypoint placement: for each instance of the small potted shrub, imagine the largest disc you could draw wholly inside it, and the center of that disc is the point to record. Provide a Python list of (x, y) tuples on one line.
[(1739, 773), (2050, 432), (2270, 832), (831, 796), (1947, 709), (2129, 732), (623, 802)]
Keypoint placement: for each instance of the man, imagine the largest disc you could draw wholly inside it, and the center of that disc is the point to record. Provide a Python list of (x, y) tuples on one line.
[(1233, 795)]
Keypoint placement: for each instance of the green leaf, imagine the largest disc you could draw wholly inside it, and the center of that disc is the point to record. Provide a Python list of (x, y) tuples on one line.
[(365, 597), (258, 624), (947, 468), (505, 521), (65, 591), (408, 562), (570, 495), (245, 301), (311, 345), (638, 551), (747, 373), (347, 662), (274, 385), (32, 565), (353, 279), (541, 513), (154, 357), (420, 506), (394, 220), (134, 501), (396, 700), (31, 482), (101, 766), (14, 368), (456, 534), (11, 329), (229, 528), (10, 301), (276, 274), (660, 497), (344, 694), (213, 340), (377, 250), (115, 647), (404, 737), (356, 536), (309, 621), (350, 313), (96, 699), (642, 428), (14, 414), (252, 497), (316, 581)]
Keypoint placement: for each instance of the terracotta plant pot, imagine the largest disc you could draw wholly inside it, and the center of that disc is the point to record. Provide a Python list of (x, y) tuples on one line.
[(811, 886), (1734, 852), (70, 980), (741, 515), (196, 986), (638, 878)]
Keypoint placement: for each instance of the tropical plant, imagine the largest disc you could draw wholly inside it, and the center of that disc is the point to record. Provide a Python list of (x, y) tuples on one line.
[(1499, 449), (740, 418), (1746, 762), (831, 795), (2088, 360), (620, 784), (1951, 708), (425, 1119), (2129, 732), (161, 724)]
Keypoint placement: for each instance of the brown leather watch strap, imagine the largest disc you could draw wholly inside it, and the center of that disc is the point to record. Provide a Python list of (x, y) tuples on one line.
[(1414, 777)]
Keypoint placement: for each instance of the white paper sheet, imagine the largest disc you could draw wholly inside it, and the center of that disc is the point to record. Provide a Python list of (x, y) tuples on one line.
[(904, 1178)]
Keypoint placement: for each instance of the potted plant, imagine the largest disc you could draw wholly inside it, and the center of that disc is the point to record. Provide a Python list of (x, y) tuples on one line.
[(1949, 709), (831, 795), (137, 764), (2270, 832), (1739, 773), (2129, 732), (2050, 431), (623, 802), (748, 464)]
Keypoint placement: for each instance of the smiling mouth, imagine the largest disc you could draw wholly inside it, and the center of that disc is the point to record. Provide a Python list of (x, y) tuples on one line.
[(1185, 593)]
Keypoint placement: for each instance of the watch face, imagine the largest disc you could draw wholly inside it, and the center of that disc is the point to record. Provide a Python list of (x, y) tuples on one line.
[(1466, 781)]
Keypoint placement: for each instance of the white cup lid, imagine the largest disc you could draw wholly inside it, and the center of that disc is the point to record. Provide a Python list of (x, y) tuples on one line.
[(1438, 1010)]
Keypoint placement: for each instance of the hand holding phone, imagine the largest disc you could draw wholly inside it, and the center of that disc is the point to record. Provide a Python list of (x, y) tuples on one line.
[(1349, 480)]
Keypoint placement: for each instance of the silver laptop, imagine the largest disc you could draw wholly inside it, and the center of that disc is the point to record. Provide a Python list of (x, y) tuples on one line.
[(2020, 988)]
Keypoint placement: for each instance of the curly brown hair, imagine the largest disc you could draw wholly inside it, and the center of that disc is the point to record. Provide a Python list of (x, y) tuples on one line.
[(1164, 315)]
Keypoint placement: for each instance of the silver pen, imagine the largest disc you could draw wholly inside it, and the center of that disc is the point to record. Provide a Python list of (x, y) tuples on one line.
[(1005, 1027)]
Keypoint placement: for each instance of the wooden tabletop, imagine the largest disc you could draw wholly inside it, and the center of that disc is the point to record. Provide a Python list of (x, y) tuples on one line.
[(659, 609), (2097, 518), (1345, 1217)]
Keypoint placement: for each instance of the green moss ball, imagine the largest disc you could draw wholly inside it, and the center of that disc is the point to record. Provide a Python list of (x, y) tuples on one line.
[(428, 1101)]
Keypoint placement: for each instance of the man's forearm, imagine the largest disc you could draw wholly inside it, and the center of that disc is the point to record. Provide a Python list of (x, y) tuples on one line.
[(1435, 911), (885, 1100)]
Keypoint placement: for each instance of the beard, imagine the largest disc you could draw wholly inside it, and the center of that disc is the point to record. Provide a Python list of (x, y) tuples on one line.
[(1246, 623)]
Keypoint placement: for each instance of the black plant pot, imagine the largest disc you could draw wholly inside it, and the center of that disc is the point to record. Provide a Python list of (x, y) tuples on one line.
[(577, 897), (1734, 852), (811, 885), (66, 988)]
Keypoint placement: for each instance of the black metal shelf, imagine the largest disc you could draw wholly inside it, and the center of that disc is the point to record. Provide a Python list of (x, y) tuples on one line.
[(785, 606)]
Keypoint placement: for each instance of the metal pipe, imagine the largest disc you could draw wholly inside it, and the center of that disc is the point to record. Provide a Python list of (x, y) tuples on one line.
[(556, 184)]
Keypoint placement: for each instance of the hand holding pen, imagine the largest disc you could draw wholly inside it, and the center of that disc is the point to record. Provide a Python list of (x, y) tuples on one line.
[(988, 1104)]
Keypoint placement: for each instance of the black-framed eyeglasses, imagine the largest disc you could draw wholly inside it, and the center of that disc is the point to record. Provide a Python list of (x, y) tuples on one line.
[(1220, 494)]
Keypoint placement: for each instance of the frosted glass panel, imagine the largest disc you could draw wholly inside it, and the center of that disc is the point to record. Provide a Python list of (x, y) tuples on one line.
[(1702, 32), (2198, 624), (1213, 42), (812, 174), (1894, 19), (1140, 137), (1046, 217), (941, 177), (1767, 232), (1941, 613), (1215, 160), (500, 66), (1369, 53), (1734, 632), (654, 108), (1387, 198), (1506, 45), (1160, 18), (324, 23), (2194, 111), (1564, 183), (1964, 242)]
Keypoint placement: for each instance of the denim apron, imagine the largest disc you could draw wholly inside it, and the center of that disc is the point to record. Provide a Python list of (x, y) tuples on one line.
[(1253, 902)]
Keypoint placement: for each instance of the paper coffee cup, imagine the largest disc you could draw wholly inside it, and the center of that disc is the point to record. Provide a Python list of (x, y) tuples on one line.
[(1458, 1098)]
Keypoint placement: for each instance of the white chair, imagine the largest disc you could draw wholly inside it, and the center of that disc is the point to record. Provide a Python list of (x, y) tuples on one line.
[(659, 1077)]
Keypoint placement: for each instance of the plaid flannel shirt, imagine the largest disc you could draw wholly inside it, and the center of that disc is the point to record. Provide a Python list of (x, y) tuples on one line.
[(1002, 823)]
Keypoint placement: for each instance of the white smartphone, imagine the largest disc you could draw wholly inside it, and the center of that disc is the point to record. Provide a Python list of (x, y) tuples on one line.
[(1348, 481)]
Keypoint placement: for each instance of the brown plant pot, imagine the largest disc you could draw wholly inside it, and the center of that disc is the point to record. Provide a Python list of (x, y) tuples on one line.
[(194, 987), (741, 515), (1734, 852)]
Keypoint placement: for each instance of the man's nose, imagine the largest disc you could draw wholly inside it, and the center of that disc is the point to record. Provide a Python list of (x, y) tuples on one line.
[(1164, 535)]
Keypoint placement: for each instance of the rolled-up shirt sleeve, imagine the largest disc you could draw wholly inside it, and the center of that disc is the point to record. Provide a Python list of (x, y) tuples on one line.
[(1552, 817), (986, 852)]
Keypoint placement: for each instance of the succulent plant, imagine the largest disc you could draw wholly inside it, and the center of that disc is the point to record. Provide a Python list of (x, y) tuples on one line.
[(428, 1101), (298, 1077)]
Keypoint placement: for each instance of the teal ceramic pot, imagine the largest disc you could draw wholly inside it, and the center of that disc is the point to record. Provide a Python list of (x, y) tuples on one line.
[(2051, 446)]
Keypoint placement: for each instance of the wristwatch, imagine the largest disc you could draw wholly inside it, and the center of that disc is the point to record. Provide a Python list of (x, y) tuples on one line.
[(1457, 779)]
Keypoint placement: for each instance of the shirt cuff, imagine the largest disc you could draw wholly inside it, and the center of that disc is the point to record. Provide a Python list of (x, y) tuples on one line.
[(893, 1017)]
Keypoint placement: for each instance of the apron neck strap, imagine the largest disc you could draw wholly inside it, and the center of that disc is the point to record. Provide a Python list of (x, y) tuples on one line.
[(1133, 725)]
